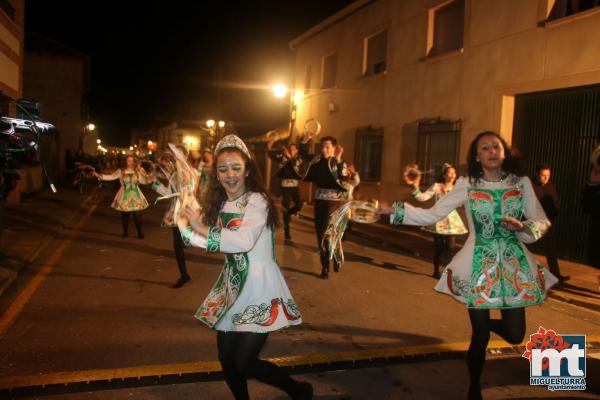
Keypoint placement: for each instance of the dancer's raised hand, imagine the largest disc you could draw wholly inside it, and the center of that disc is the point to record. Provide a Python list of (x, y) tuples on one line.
[(338, 151)]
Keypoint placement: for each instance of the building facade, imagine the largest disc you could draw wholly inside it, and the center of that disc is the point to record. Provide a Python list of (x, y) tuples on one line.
[(12, 22), (399, 82), (57, 77)]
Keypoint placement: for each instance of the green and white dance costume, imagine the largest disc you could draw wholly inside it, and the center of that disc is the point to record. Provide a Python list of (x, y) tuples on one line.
[(452, 224), (129, 197), (250, 295), (493, 269)]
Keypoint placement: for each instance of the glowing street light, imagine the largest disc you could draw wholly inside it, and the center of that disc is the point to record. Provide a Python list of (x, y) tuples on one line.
[(221, 124), (131, 148), (149, 143), (210, 123), (280, 91), (91, 127), (98, 141)]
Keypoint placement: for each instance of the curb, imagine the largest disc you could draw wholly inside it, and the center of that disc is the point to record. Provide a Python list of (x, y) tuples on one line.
[(203, 371)]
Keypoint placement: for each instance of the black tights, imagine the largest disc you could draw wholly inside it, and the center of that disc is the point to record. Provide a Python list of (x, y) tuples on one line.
[(511, 327), (178, 247), (137, 220), (444, 246), (238, 353)]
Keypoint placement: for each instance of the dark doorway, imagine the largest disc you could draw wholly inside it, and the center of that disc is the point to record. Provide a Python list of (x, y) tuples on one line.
[(560, 128)]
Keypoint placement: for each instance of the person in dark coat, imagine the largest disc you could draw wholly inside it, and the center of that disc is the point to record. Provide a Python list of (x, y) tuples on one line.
[(591, 205), (545, 191)]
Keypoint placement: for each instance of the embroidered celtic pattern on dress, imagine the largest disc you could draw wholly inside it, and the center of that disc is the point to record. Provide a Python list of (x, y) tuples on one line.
[(501, 274), (266, 314), (397, 216), (263, 314), (482, 206), (213, 239), (291, 310)]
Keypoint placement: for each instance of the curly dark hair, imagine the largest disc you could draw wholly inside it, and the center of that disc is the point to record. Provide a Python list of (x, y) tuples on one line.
[(216, 195), (511, 164)]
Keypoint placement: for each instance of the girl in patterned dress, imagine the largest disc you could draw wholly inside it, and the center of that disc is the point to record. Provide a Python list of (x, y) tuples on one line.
[(445, 230), (493, 270), (250, 298), (129, 199)]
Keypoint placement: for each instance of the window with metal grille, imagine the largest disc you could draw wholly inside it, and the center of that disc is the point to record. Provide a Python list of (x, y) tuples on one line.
[(375, 54), (307, 76), (368, 153), (446, 28), (437, 144), (564, 8), (329, 71)]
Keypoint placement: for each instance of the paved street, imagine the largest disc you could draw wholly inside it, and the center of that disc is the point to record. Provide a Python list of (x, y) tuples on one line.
[(106, 303)]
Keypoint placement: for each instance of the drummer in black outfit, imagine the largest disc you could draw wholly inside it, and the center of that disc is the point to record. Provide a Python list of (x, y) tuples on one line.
[(290, 164), (327, 171)]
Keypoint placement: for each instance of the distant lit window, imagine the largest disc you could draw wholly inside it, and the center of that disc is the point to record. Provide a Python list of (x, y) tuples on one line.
[(368, 153), (437, 144), (307, 76), (564, 8), (329, 71), (375, 54), (446, 28)]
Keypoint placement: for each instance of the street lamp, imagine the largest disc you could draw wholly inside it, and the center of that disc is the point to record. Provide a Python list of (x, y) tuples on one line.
[(130, 148), (280, 91), (98, 141), (91, 127), (215, 128)]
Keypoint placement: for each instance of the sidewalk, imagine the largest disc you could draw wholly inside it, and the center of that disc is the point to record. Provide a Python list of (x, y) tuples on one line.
[(31, 225), (583, 289)]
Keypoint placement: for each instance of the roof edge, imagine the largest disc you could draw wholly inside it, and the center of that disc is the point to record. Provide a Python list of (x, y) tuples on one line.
[(326, 23)]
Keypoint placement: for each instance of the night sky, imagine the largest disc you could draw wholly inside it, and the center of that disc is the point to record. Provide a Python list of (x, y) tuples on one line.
[(155, 62)]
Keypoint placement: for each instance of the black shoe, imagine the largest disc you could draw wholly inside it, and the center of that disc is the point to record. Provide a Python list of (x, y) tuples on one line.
[(325, 273), (181, 281), (336, 267), (140, 235), (563, 278), (287, 235), (304, 392), (474, 393), (124, 234), (436, 274)]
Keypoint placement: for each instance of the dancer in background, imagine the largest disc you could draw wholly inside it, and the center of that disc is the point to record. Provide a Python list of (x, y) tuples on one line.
[(204, 168), (129, 199), (445, 230), (327, 171), (493, 270), (250, 298), (168, 191), (290, 163)]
